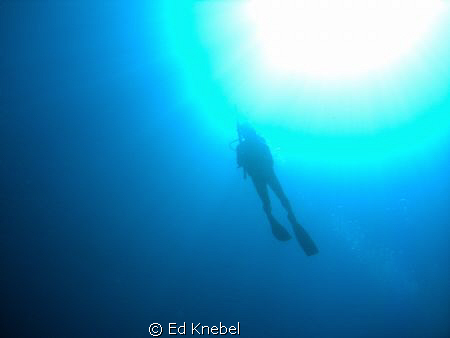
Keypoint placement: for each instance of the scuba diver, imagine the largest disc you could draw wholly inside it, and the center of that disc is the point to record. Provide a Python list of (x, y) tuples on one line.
[(254, 156)]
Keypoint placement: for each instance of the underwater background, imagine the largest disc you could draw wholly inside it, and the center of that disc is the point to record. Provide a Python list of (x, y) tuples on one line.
[(121, 205)]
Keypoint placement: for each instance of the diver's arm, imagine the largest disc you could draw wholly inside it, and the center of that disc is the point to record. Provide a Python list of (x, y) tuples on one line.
[(240, 161), (245, 171)]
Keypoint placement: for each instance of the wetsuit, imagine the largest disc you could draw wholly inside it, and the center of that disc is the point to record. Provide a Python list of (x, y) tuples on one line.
[(255, 157)]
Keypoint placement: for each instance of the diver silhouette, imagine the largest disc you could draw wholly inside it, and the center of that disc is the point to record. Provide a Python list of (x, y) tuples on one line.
[(254, 156)]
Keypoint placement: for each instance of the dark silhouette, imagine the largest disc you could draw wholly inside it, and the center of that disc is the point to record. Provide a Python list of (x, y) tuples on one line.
[(254, 156)]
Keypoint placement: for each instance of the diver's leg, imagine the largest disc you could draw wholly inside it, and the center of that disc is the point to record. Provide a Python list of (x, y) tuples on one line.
[(261, 189), (277, 229), (275, 185)]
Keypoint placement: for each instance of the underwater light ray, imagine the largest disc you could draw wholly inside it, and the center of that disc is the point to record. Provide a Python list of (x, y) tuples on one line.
[(231, 53), (344, 119)]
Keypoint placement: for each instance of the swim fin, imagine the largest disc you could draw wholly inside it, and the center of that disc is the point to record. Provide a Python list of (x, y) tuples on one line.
[(303, 238), (278, 230)]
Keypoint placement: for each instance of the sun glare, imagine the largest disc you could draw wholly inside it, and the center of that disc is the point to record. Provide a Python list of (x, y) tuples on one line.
[(337, 39)]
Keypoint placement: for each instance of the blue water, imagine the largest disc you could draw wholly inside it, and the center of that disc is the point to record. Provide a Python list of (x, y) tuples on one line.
[(120, 208)]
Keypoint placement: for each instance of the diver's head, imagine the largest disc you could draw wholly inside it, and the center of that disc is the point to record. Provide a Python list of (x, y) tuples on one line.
[(246, 131)]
